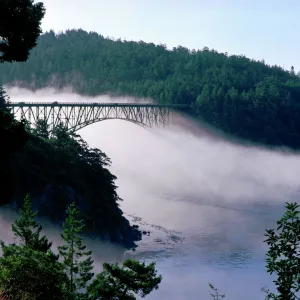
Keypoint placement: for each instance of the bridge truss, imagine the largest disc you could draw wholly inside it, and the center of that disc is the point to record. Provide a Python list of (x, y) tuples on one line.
[(75, 116)]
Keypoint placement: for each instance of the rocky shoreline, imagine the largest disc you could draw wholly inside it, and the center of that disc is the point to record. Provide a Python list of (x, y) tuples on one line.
[(53, 208)]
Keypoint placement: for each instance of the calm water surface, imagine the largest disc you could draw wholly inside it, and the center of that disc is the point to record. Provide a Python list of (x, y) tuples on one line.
[(205, 201)]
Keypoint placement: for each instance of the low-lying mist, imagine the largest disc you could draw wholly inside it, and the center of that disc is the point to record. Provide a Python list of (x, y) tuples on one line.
[(219, 196)]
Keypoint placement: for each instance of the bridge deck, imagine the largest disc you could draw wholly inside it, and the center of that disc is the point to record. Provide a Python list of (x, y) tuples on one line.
[(76, 115), (88, 104)]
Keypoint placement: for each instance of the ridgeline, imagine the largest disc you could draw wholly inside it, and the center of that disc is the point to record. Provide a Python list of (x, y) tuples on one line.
[(245, 98)]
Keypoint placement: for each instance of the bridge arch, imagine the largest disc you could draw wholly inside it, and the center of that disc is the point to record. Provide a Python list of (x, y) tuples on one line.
[(79, 115), (83, 125)]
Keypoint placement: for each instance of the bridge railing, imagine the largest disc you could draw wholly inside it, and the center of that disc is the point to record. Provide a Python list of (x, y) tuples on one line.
[(82, 104)]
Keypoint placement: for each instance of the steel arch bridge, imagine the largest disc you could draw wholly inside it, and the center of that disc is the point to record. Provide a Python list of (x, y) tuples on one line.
[(75, 116)]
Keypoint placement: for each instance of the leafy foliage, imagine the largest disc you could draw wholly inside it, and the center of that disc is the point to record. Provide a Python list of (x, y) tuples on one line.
[(76, 259), (20, 22), (243, 97), (283, 257), (116, 282)]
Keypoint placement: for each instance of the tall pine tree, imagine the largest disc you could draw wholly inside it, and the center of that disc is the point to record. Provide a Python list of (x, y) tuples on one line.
[(125, 282), (28, 268), (28, 230), (76, 259)]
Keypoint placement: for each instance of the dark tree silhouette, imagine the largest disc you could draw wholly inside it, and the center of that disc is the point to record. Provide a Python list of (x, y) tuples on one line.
[(12, 138), (19, 29), (20, 22)]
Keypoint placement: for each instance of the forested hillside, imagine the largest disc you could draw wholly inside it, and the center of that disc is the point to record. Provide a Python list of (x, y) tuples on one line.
[(243, 97), (57, 170), (62, 168)]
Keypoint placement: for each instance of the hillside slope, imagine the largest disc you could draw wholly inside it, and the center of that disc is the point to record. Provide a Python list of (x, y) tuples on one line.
[(243, 97), (60, 169)]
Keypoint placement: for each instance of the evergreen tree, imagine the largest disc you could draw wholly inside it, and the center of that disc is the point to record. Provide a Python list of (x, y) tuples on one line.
[(42, 129), (29, 269), (28, 231), (292, 70), (243, 97), (20, 22), (12, 139), (283, 257), (76, 259), (27, 274), (3, 97), (116, 282)]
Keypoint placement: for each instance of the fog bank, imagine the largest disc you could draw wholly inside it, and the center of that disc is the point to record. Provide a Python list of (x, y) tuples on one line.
[(217, 198)]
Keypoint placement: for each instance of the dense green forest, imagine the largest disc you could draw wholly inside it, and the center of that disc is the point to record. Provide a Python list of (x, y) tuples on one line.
[(243, 97), (61, 168), (30, 270), (31, 159)]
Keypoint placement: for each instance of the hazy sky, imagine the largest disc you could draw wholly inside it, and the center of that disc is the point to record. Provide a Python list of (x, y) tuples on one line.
[(260, 29)]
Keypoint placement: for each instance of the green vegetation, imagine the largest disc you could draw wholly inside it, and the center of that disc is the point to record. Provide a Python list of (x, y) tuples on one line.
[(28, 274), (133, 278), (243, 97), (76, 260), (63, 168), (283, 257), (28, 230), (12, 138), (30, 270), (59, 169), (19, 29), (20, 26)]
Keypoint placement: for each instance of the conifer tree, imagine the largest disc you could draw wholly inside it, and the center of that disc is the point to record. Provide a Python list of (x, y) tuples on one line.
[(76, 259), (28, 230), (283, 256), (20, 27), (29, 269), (3, 97), (124, 282), (42, 129), (29, 274)]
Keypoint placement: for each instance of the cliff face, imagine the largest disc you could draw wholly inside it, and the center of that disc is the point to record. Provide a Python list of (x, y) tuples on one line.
[(49, 203), (55, 175)]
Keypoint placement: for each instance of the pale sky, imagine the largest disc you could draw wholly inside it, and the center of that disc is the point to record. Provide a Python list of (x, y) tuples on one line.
[(260, 29)]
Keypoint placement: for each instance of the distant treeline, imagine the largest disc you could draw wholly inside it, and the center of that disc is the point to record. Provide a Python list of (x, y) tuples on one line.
[(243, 97)]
